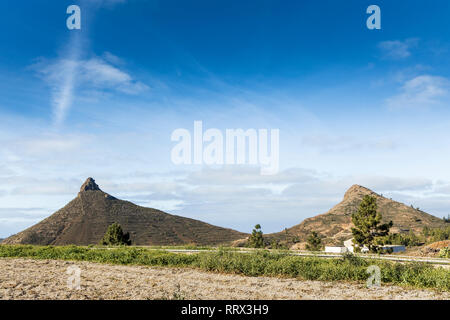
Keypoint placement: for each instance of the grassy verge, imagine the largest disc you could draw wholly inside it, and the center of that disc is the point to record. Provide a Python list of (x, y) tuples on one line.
[(259, 263), (189, 247)]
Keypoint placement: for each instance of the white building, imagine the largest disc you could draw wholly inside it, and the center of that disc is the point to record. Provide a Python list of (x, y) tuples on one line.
[(351, 247), (335, 249), (395, 248), (349, 244)]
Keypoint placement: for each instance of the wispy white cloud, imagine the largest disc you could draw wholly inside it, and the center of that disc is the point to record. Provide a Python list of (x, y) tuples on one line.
[(334, 143), (421, 91), (396, 49), (111, 58), (65, 76), (245, 175), (103, 75), (69, 72), (49, 144)]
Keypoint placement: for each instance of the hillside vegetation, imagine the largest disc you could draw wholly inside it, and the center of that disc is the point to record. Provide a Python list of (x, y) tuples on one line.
[(335, 225), (259, 263)]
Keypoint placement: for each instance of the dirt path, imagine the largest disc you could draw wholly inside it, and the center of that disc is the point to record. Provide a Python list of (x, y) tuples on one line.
[(47, 279)]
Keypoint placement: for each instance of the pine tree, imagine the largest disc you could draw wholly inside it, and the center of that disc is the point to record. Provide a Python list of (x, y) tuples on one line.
[(367, 224), (314, 242), (114, 236), (256, 239)]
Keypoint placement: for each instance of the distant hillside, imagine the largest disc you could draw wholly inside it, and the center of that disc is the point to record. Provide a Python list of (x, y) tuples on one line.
[(336, 224), (85, 219)]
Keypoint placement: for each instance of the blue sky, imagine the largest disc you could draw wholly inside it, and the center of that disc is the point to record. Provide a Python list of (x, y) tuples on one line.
[(353, 106)]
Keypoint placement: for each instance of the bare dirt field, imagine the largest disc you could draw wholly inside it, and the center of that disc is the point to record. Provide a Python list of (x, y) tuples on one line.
[(47, 279)]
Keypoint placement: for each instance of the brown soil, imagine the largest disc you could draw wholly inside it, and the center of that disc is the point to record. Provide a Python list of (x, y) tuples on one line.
[(431, 250), (47, 279)]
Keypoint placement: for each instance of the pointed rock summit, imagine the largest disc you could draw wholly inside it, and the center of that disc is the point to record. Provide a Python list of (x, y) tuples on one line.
[(85, 219), (89, 185), (358, 191)]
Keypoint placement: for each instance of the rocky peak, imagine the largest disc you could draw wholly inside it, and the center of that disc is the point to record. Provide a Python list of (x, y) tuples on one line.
[(89, 185), (358, 191)]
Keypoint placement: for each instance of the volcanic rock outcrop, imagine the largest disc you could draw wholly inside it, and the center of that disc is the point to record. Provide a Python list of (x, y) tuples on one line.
[(85, 219)]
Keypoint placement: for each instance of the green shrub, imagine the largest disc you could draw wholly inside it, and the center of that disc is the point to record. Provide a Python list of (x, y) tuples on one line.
[(114, 236), (444, 253), (314, 242), (256, 239), (439, 234)]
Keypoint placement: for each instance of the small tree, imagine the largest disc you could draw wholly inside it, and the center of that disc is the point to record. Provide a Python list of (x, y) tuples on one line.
[(276, 244), (114, 236), (314, 242), (444, 253), (367, 224), (426, 231), (256, 239)]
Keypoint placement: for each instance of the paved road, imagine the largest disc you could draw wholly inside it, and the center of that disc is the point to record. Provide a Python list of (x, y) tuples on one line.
[(434, 261), (439, 261)]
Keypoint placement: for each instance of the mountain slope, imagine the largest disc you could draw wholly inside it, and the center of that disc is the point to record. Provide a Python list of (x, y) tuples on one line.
[(336, 224), (85, 219)]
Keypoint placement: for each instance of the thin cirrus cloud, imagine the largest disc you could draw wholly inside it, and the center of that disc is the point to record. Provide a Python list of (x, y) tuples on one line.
[(421, 92), (338, 143), (70, 72), (396, 49), (66, 75)]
